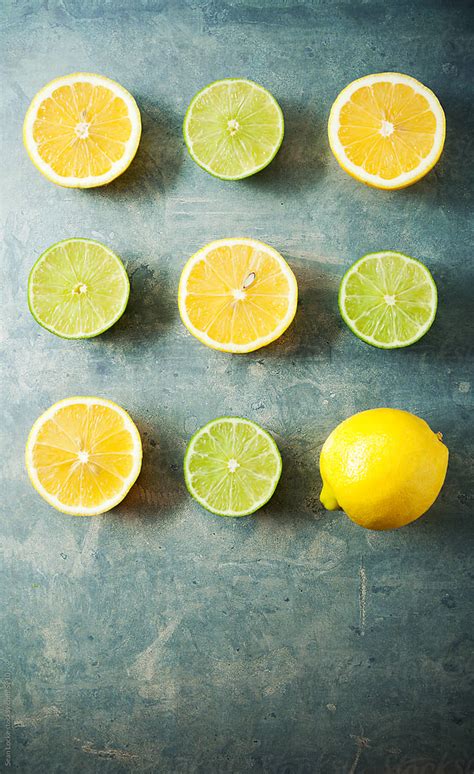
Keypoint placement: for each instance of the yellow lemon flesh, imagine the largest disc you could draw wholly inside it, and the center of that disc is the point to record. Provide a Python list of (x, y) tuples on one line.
[(387, 130), (237, 295), (82, 130), (83, 455), (383, 467)]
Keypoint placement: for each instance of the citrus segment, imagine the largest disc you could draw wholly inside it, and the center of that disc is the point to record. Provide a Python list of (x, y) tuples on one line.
[(387, 130), (83, 455), (237, 295), (78, 288), (82, 130), (232, 466), (233, 128)]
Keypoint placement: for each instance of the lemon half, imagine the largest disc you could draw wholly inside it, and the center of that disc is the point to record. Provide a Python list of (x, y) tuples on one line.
[(83, 455), (82, 130), (237, 295), (387, 130)]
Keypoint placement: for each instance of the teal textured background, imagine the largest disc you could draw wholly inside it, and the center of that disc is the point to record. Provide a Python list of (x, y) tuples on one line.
[(159, 638)]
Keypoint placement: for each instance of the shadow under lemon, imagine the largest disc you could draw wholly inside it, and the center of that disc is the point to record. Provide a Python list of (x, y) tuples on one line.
[(159, 489), (157, 161), (317, 323)]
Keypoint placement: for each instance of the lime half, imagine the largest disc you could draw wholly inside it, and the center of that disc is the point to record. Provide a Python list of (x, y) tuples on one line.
[(232, 466), (388, 299), (233, 128), (78, 288)]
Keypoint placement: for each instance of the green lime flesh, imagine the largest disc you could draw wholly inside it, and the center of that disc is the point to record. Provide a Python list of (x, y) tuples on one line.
[(388, 299), (233, 128), (78, 288), (232, 466)]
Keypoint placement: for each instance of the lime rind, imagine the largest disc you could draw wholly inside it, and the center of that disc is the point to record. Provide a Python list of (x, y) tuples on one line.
[(81, 335), (396, 344), (246, 173), (272, 447)]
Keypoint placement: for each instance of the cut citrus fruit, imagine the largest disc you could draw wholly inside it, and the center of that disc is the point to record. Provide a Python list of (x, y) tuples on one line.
[(232, 466), (233, 128), (78, 288), (388, 299), (83, 455), (82, 130), (237, 295), (387, 130)]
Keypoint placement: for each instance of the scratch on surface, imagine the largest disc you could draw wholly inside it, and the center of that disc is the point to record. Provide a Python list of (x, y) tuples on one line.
[(266, 675), (361, 743), (55, 642), (89, 548), (108, 752), (307, 255), (38, 717), (144, 664), (362, 598), (323, 554)]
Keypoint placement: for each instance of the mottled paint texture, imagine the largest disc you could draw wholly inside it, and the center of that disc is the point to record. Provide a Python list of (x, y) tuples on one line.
[(162, 639)]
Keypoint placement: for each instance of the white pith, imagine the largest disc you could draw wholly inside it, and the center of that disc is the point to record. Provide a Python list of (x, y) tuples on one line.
[(82, 130), (233, 126), (386, 129)]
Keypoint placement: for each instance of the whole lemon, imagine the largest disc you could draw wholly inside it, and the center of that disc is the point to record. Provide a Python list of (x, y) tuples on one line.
[(383, 467)]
